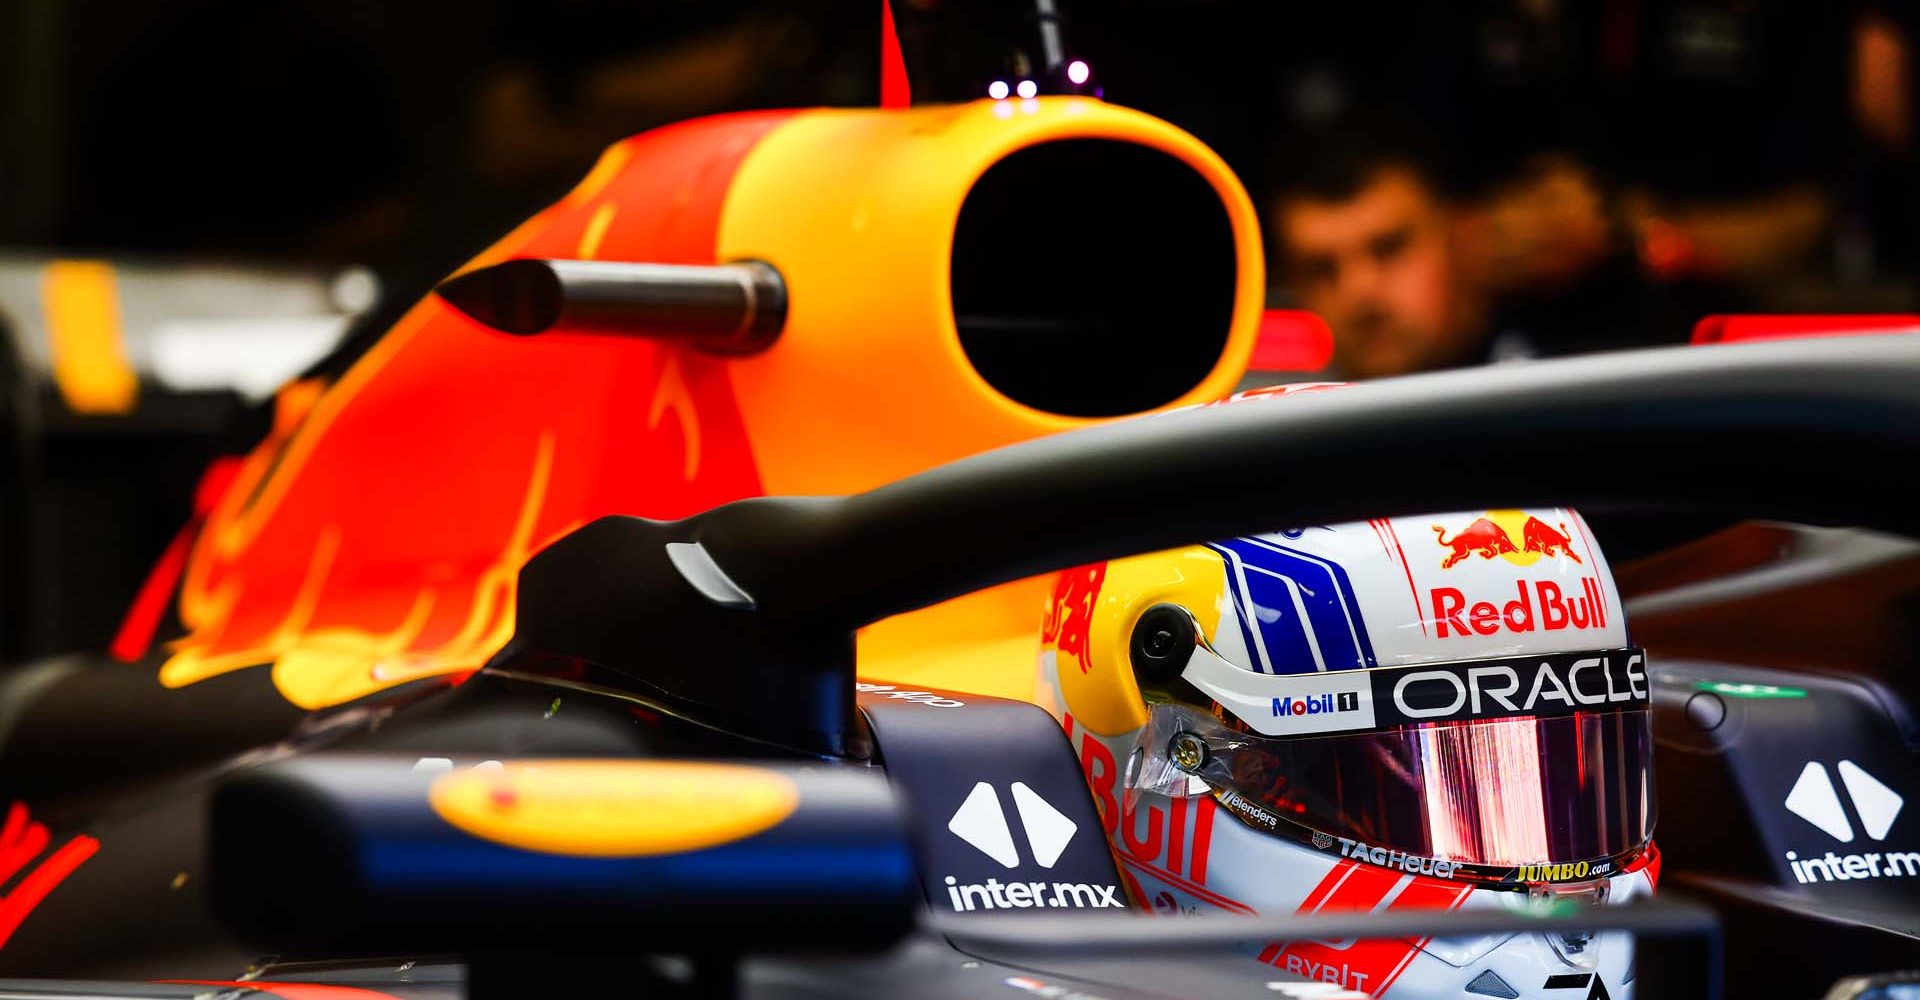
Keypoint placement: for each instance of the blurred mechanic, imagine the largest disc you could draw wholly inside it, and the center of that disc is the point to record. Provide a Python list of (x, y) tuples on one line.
[(1367, 239)]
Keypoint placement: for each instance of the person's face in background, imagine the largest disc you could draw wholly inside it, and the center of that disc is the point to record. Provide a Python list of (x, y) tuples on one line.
[(1380, 268)]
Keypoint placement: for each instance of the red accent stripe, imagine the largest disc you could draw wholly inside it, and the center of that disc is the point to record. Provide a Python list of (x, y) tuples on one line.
[(1649, 860), (16, 905), (1328, 883), (1414, 592), (1202, 838), (1462, 892), (1586, 542), (894, 89), (1580, 525), (1729, 329), (156, 594), (1364, 889), (20, 841), (1370, 966), (1430, 894), (1176, 834), (290, 991), (1198, 891), (1138, 895)]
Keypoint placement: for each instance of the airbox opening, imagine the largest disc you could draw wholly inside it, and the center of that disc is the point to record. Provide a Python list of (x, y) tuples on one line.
[(1093, 277)]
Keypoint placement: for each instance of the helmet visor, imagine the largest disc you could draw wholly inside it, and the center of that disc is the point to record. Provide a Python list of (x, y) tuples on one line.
[(1523, 799)]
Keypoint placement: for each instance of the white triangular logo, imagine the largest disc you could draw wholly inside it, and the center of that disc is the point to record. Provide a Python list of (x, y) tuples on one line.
[(1875, 802), (1812, 799), (1047, 830), (980, 822)]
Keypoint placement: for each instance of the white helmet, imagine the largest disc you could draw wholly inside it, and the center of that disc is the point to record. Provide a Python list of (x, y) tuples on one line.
[(1440, 712)]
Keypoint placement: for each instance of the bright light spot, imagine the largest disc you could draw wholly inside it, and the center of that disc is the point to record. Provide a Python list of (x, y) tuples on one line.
[(1029, 106), (1028, 88), (354, 290), (1003, 110), (1078, 71), (997, 90)]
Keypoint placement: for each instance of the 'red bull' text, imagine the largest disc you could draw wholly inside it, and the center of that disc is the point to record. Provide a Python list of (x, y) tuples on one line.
[(1543, 607)]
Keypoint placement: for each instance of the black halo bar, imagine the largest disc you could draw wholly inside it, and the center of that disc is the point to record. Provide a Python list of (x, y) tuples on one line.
[(1097, 933), (1820, 431), (734, 308)]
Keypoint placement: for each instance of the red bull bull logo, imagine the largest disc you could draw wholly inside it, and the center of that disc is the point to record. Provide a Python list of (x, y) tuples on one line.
[(1070, 613), (1537, 537), (1518, 538), (1491, 537)]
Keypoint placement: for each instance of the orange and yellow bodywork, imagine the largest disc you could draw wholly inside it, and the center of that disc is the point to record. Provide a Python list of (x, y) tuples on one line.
[(375, 536)]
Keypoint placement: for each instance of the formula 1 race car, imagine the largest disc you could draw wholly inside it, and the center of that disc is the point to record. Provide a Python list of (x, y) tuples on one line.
[(607, 626), (410, 824)]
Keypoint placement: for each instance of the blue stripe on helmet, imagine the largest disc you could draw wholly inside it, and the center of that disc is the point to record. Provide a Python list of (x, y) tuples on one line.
[(1303, 607)]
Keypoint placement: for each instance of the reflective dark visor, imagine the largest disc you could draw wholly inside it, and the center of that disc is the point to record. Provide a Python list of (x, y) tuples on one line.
[(1553, 799)]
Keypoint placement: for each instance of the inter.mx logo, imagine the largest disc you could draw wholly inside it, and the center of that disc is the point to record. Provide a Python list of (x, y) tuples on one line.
[(981, 822), (1815, 799)]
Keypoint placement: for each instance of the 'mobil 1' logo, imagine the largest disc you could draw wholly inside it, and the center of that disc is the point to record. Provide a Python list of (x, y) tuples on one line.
[(1319, 704)]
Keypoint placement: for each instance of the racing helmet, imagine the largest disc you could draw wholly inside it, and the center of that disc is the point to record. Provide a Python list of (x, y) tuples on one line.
[(1437, 712)]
